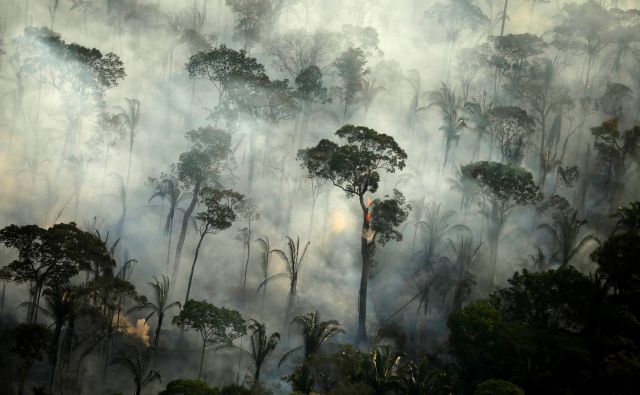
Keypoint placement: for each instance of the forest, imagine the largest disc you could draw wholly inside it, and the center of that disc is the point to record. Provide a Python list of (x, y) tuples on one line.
[(368, 197)]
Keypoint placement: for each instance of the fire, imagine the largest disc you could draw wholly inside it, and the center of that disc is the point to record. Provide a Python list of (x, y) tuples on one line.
[(338, 221), (367, 216), (140, 330)]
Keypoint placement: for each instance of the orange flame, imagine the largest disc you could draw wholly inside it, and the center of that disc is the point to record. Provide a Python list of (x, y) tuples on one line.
[(367, 216), (140, 330)]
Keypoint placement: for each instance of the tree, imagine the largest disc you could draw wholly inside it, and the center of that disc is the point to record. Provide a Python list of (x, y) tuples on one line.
[(261, 345), (298, 49), (220, 207), (584, 31), (293, 263), (381, 369), (228, 70), (466, 256), (314, 332), (216, 325), (31, 342), (628, 218), (616, 100), (540, 88), (253, 17), (455, 16), (450, 106), (161, 304), (138, 363), (203, 165), (355, 169), (50, 257), (81, 75), (477, 113), (510, 128), (503, 187), (350, 66), (108, 133), (616, 150), (248, 211), (310, 90), (168, 187), (131, 118), (565, 231), (265, 261)]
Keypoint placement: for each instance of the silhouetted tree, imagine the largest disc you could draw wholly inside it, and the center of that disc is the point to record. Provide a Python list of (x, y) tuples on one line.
[(215, 325), (220, 208), (354, 168), (261, 345), (160, 304)]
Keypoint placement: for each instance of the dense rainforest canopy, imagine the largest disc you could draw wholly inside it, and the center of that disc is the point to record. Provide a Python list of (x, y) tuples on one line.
[(332, 197)]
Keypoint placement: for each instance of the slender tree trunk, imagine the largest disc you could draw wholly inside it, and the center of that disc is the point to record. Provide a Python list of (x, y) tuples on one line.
[(193, 267), (256, 376), (156, 341), (169, 246), (361, 335), (54, 354), (201, 360), (504, 17), (183, 231), (246, 265)]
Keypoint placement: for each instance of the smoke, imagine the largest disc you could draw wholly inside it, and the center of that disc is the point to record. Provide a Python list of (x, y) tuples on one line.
[(39, 185)]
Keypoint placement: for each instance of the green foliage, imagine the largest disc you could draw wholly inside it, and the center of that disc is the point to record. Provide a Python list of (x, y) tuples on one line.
[(253, 18), (617, 260), (387, 215), (628, 218), (354, 167), (216, 325), (616, 148), (506, 186), (554, 299), (220, 208), (497, 387), (189, 387), (208, 158), (350, 65), (261, 345)]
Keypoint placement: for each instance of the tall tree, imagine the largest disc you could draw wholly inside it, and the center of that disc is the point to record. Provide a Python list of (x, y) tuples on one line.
[(450, 106), (350, 65), (455, 16), (616, 150), (160, 304), (502, 187), (253, 19), (584, 31), (355, 168), (265, 262), (220, 208), (261, 345), (131, 117), (510, 129), (215, 325), (293, 262), (565, 231), (315, 333), (204, 165), (50, 257), (138, 362)]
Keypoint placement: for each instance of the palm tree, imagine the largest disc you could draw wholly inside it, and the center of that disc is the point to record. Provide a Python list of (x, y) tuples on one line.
[(293, 262), (368, 94), (416, 218), (315, 333), (161, 304), (450, 106), (265, 261), (169, 188), (478, 114), (60, 306), (381, 369), (131, 118), (138, 363), (261, 345), (565, 231), (436, 226), (466, 256), (628, 218)]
